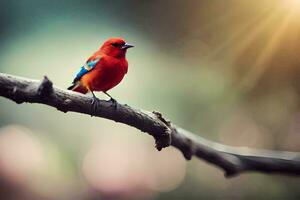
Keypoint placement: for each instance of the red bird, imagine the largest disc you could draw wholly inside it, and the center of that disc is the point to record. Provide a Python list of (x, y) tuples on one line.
[(103, 70)]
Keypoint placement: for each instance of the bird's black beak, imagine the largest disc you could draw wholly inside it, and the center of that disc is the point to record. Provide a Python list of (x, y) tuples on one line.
[(126, 46)]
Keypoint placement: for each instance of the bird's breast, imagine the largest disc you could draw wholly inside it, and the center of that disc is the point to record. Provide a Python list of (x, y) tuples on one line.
[(108, 74)]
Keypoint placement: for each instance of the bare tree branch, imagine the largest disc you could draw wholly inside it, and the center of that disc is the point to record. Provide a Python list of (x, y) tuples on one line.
[(233, 160)]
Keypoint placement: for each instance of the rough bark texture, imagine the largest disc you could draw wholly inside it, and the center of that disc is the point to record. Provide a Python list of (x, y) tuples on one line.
[(233, 160)]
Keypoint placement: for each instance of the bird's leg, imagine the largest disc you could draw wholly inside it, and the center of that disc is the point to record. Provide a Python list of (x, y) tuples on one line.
[(95, 102), (114, 102)]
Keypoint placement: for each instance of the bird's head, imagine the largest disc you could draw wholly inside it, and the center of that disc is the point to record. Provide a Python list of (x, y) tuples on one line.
[(115, 47)]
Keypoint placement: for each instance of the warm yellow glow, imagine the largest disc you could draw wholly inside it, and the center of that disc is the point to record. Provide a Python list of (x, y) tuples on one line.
[(260, 65), (293, 5), (283, 23), (294, 2)]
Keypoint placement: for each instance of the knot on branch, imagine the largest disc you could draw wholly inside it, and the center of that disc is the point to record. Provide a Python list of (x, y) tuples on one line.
[(188, 149), (232, 165), (163, 140), (45, 88), (16, 96), (65, 104)]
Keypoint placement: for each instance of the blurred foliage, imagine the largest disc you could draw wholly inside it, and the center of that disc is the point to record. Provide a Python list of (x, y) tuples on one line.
[(227, 70)]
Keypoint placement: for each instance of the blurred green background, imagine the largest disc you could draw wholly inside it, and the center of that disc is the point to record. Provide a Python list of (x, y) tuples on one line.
[(227, 70)]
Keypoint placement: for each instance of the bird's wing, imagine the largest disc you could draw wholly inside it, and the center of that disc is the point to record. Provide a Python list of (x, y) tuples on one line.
[(89, 65)]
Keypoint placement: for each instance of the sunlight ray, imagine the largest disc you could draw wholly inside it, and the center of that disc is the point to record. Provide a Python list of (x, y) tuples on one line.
[(244, 32), (260, 66), (252, 35)]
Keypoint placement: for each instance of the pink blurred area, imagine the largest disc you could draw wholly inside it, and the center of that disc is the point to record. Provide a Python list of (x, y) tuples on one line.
[(111, 169)]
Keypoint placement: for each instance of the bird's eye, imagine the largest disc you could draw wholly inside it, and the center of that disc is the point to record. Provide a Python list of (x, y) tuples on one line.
[(115, 44)]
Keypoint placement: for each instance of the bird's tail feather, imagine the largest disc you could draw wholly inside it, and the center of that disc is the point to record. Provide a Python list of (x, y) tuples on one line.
[(78, 88)]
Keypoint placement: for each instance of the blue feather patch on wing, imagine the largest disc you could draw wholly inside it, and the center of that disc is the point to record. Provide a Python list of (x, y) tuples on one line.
[(93, 63), (85, 69)]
